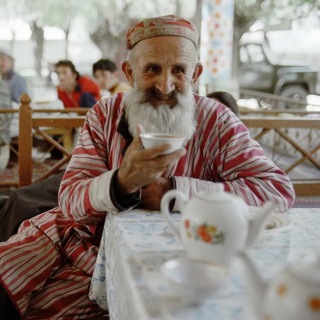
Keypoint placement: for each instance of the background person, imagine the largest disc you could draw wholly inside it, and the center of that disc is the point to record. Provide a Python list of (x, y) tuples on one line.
[(110, 172), (5, 121), (227, 99), (106, 76), (75, 91), (15, 83)]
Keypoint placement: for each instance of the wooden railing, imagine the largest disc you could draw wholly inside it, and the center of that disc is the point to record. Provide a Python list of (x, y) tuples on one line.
[(272, 101), (276, 112), (30, 123), (46, 127), (303, 187)]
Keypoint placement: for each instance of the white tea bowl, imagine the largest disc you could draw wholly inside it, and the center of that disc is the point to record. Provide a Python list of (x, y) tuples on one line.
[(150, 140), (193, 281)]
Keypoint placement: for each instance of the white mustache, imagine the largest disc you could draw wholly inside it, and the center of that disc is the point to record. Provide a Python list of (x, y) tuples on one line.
[(177, 120)]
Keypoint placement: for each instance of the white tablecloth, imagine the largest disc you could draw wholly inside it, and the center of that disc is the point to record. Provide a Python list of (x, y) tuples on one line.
[(135, 243)]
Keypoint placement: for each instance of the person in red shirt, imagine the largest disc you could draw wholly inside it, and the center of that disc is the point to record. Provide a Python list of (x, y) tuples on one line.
[(75, 91)]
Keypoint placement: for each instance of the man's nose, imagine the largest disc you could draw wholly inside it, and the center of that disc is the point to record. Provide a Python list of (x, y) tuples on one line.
[(165, 83)]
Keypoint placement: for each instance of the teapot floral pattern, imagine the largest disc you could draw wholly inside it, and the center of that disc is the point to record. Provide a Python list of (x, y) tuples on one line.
[(313, 302), (214, 224), (204, 232)]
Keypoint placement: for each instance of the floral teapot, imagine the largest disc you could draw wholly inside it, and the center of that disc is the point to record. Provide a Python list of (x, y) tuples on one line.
[(292, 294), (215, 225)]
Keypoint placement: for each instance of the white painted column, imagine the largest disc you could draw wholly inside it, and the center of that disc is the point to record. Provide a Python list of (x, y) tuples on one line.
[(216, 46)]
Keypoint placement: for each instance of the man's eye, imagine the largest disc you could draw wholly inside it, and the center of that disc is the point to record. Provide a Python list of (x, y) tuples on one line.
[(178, 70), (152, 69)]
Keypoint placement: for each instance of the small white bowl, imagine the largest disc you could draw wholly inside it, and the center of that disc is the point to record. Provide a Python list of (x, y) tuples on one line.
[(193, 280), (150, 140)]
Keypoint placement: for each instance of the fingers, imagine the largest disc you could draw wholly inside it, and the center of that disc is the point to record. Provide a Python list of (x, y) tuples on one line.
[(140, 167), (140, 129), (136, 142), (152, 194)]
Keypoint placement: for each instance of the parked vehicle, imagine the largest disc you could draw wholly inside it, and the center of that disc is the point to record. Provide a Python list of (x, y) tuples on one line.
[(261, 70)]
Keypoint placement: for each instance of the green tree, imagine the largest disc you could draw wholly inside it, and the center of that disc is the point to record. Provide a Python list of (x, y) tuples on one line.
[(107, 21), (110, 20), (41, 13), (53, 13), (11, 10)]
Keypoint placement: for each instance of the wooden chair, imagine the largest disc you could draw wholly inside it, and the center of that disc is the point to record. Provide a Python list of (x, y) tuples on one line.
[(28, 124)]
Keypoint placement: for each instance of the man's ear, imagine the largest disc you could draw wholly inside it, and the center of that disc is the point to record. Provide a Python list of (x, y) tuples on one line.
[(197, 72), (127, 70)]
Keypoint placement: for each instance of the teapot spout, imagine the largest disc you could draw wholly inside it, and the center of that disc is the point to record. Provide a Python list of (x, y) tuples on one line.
[(256, 288), (257, 217)]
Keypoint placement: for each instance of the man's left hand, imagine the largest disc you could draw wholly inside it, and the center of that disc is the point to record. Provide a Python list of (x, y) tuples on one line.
[(153, 193)]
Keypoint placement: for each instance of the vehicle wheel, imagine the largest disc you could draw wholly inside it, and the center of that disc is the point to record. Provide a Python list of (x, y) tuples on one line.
[(295, 92)]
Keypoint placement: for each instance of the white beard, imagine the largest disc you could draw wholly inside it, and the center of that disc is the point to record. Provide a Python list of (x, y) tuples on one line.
[(178, 120)]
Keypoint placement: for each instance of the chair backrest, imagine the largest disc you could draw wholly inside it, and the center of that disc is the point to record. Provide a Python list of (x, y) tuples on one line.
[(28, 124)]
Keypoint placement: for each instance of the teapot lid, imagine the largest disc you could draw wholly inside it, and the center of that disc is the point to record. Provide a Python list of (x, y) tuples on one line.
[(216, 193)]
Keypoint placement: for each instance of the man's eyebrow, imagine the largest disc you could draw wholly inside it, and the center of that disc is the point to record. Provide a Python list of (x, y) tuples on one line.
[(155, 65), (151, 65), (182, 66)]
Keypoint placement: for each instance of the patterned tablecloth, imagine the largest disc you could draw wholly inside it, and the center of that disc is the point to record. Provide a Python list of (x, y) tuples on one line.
[(135, 244)]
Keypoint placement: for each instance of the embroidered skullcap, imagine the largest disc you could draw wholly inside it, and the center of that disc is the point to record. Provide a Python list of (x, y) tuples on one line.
[(169, 25)]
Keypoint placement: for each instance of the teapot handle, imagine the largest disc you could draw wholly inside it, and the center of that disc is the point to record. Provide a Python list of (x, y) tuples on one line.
[(165, 202)]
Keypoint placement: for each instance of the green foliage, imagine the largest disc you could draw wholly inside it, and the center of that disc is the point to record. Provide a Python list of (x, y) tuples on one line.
[(108, 20), (273, 13)]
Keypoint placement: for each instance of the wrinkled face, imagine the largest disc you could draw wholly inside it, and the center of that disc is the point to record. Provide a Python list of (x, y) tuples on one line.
[(161, 67), (161, 72), (104, 79), (67, 78), (6, 64)]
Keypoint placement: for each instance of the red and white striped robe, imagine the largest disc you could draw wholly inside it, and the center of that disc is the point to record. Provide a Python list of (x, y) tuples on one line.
[(47, 267)]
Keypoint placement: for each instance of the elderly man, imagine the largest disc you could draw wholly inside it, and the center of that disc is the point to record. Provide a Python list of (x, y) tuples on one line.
[(46, 267)]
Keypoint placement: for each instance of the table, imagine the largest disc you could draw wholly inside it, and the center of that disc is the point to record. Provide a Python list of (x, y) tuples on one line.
[(135, 243)]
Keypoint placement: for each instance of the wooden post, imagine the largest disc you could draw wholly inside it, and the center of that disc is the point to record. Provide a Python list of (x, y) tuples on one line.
[(25, 141)]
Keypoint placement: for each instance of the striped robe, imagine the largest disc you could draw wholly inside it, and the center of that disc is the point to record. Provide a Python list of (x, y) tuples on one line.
[(47, 267)]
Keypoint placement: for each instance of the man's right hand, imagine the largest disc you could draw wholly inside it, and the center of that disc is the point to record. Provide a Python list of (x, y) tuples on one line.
[(141, 167)]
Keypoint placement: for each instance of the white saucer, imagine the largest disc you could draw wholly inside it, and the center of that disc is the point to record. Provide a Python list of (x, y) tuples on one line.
[(277, 221), (193, 280)]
